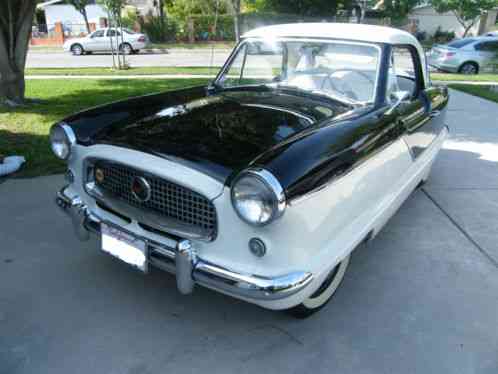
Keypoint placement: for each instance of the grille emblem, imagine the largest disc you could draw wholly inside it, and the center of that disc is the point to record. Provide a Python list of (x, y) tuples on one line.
[(140, 189)]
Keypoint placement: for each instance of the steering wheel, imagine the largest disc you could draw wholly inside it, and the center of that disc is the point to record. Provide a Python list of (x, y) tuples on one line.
[(348, 92)]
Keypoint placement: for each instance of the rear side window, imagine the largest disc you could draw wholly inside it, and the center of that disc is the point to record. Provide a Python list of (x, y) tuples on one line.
[(487, 47), (461, 43), (111, 32)]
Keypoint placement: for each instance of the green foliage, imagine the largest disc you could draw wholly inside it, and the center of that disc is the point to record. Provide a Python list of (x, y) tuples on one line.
[(159, 30), (399, 9), (80, 4), (113, 6), (466, 11), (129, 20), (305, 8), (441, 36)]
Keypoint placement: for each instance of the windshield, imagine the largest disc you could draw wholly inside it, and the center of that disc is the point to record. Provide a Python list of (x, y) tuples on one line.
[(343, 70)]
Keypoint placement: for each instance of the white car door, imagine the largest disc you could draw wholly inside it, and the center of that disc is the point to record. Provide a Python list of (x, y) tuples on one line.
[(96, 41), (114, 37)]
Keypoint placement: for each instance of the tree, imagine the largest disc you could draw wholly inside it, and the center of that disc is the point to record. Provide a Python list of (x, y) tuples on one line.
[(235, 10), (16, 18), (80, 6), (306, 8), (399, 9), (467, 12), (114, 8)]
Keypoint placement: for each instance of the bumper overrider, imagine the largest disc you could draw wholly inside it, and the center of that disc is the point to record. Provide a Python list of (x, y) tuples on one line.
[(188, 267)]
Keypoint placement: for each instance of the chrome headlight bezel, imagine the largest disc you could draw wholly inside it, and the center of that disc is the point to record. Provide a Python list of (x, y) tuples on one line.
[(271, 196), (62, 140)]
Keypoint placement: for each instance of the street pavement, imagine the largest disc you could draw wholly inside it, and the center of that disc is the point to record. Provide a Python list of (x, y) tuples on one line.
[(174, 57), (422, 297)]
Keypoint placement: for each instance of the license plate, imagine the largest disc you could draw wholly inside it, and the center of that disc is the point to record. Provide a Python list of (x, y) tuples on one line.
[(124, 246)]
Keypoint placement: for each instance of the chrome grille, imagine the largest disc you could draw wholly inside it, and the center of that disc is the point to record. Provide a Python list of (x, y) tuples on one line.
[(169, 200)]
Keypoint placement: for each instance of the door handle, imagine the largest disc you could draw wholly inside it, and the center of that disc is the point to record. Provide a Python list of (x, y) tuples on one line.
[(434, 113)]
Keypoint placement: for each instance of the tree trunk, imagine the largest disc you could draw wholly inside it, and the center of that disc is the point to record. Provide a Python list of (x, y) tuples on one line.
[(85, 17), (16, 18), (236, 14)]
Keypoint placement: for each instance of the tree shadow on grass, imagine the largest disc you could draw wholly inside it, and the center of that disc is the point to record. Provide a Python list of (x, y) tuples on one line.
[(62, 97), (24, 130)]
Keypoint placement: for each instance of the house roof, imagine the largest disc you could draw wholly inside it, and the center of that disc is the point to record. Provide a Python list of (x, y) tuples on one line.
[(350, 31)]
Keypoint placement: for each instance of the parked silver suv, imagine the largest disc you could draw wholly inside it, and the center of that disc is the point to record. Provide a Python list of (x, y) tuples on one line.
[(466, 56)]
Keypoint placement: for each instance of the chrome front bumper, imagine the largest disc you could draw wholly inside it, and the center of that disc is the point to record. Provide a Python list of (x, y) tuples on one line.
[(188, 267)]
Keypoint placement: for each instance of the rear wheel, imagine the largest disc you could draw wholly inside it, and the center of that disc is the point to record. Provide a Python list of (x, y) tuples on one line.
[(77, 49), (126, 49), (323, 294), (469, 68)]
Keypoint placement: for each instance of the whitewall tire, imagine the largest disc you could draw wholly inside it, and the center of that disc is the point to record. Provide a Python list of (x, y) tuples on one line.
[(324, 293)]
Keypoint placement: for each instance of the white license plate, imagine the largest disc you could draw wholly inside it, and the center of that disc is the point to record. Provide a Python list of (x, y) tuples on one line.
[(124, 246)]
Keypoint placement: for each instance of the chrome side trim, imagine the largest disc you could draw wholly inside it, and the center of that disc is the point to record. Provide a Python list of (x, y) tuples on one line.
[(188, 267)]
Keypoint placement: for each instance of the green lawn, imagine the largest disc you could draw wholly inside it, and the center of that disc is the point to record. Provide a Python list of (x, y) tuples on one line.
[(461, 77), (24, 131), (131, 71), (212, 71), (486, 92)]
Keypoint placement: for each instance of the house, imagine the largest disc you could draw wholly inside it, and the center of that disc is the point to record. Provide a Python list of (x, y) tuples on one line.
[(428, 20), (72, 20)]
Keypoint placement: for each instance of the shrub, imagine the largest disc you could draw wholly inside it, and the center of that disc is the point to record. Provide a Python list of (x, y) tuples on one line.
[(443, 36), (159, 31)]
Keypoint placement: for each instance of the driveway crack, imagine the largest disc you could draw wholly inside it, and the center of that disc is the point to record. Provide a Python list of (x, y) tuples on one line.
[(461, 229)]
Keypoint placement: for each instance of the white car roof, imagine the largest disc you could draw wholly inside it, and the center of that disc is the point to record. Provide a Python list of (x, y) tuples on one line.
[(350, 31)]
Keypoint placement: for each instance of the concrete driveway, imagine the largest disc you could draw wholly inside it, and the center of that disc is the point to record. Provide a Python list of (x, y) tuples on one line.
[(420, 298)]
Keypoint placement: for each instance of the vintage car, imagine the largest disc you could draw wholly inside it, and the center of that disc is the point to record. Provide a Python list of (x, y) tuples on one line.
[(260, 184)]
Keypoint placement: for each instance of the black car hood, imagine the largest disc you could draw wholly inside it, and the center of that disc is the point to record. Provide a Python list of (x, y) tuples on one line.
[(216, 134)]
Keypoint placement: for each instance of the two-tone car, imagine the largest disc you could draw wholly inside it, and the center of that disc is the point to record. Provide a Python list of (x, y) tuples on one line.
[(262, 183)]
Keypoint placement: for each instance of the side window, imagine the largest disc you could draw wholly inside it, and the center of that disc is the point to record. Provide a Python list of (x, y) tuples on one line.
[(255, 63), (98, 34), (404, 72), (112, 32)]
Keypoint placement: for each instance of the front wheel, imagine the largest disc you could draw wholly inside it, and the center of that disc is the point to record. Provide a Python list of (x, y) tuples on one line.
[(323, 294), (77, 50)]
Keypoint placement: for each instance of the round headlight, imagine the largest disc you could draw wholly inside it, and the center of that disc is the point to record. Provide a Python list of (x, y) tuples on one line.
[(257, 197), (62, 138)]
